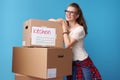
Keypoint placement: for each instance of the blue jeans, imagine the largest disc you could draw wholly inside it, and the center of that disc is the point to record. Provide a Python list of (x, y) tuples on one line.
[(86, 73), (85, 70)]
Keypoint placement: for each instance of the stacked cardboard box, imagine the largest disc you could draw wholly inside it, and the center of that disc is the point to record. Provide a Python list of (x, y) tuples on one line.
[(23, 77), (42, 33), (42, 56)]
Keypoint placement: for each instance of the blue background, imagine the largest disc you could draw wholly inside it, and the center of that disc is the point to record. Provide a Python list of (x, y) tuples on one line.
[(102, 42)]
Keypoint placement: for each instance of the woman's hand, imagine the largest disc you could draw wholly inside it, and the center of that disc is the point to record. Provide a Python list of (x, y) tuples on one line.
[(65, 26), (59, 20), (51, 19)]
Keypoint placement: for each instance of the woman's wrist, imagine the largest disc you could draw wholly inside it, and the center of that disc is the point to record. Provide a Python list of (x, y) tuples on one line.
[(66, 32)]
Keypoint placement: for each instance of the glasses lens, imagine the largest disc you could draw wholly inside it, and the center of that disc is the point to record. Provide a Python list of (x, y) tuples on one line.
[(66, 11)]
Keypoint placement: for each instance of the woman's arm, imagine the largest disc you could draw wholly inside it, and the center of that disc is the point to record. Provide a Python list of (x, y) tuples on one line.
[(69, 41)]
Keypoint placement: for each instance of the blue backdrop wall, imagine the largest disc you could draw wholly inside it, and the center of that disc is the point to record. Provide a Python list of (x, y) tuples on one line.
[(102, 42)]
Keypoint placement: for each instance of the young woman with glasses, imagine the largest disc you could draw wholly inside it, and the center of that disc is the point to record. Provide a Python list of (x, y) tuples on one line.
[(74, 32)]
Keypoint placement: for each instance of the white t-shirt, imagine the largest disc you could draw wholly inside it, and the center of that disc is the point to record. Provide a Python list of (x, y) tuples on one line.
[(79, 52)]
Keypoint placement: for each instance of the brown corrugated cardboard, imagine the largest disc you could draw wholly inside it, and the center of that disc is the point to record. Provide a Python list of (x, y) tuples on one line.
[(42, 62), (24, 77), (42, 33)]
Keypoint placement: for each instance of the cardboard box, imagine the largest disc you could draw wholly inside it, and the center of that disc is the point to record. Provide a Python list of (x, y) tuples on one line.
[(24, 77), (42, 33), (42, 62)]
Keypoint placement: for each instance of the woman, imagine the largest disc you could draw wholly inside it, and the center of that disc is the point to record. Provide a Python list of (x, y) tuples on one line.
[(74, 32)]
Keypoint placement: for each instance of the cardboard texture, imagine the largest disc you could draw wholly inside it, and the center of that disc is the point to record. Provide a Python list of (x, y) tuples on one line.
[(42, 33), (42, 62), (24, 77)]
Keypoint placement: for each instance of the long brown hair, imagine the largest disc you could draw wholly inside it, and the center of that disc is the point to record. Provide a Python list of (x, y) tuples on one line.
[(80, 19)]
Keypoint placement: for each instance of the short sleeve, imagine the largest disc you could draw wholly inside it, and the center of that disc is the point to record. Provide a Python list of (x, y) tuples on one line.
[(78, 33)]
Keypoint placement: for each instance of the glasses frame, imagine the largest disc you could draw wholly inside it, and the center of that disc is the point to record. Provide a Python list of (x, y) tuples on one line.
[(71, 12)]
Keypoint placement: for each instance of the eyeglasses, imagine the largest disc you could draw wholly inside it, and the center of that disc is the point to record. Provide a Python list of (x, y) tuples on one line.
[(70, 12)]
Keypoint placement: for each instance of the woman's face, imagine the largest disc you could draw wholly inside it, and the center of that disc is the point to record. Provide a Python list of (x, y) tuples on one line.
[(71, 14)]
